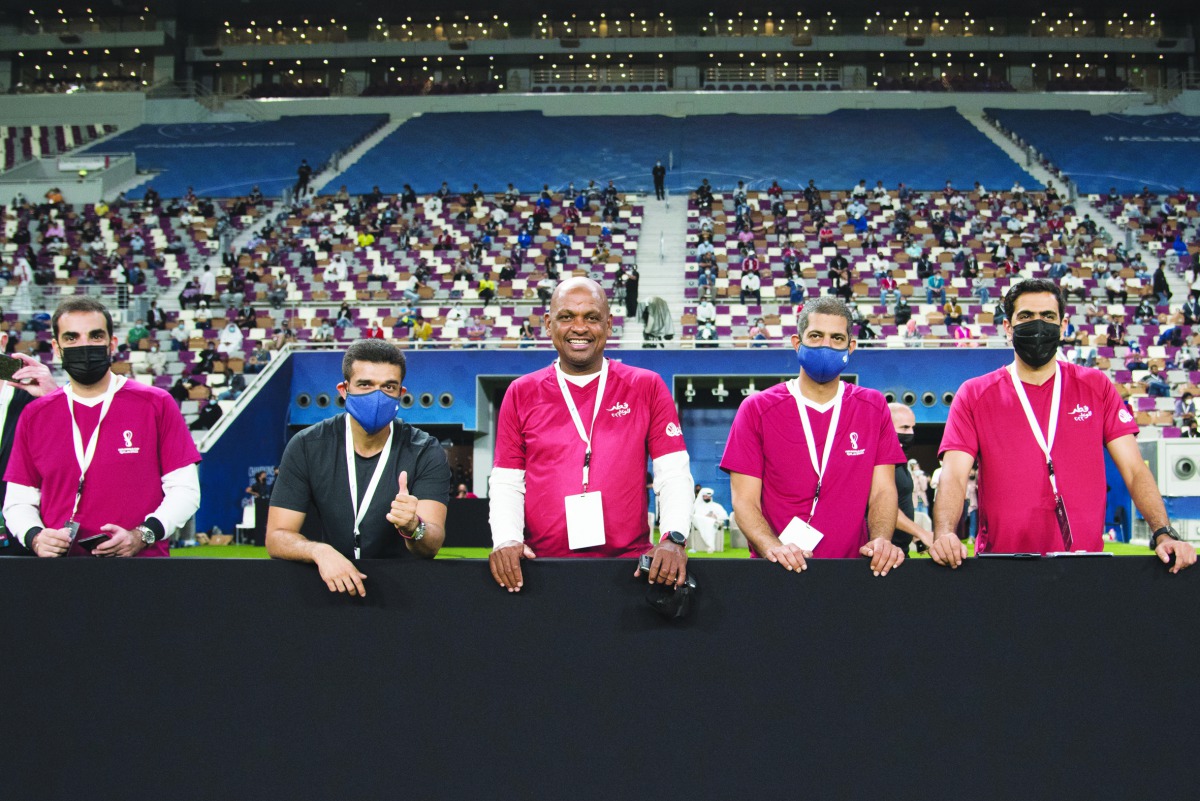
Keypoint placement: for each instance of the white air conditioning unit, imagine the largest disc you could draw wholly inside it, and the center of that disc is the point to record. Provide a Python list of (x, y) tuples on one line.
[(1179, 467)]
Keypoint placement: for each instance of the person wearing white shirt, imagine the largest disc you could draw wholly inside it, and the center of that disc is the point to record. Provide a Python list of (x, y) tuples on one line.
[(231, 340), (336, 271), (708, 520), (706, 312)]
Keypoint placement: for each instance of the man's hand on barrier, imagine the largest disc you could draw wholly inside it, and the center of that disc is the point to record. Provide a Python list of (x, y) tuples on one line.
[(668, 564), (789, 556), (1185, 554), (505, 563), (948, 549), (884, 555), (51, 542), (338, 572)]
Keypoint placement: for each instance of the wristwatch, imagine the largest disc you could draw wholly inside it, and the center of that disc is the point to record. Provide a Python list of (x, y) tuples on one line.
[(147, 534), (675, 537), (1168, 530), (418, 532)]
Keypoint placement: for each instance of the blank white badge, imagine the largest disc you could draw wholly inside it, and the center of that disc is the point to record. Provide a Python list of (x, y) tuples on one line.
[(585, 521), (801, 534)]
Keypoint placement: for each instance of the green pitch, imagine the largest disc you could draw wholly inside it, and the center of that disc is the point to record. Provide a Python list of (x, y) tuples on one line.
[(255, 552)]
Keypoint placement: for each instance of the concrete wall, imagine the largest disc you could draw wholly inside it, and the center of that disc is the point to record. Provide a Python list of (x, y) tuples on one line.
[(130, 109), (692, 103), (123, 109), (37, 178)]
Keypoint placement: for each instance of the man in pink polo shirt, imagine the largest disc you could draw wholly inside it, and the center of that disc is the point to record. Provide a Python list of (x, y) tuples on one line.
[(812, 461), (1037, 429), (571, 447), (103, 466)]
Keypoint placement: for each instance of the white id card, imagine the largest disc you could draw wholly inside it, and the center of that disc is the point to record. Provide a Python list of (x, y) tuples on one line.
[(801, 534), (585, 521)]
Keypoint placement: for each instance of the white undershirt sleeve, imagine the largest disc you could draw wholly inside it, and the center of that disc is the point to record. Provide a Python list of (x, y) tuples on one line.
[(22, 510), (506, 506), (181, 499), (675, 490)]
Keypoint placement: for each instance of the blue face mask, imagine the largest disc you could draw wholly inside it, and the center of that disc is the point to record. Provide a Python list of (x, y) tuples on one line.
[(822, 364), (372, 410)]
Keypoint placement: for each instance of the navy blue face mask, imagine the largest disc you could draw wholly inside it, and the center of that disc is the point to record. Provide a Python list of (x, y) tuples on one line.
[(822, 364), (373, 410)]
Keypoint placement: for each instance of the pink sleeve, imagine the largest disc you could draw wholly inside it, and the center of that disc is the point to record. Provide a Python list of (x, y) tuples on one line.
[(510, 442), (21, 467), (665, 434), (960, 432)]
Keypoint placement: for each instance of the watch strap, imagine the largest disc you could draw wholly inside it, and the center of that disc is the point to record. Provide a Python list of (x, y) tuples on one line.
[(1168, 530)]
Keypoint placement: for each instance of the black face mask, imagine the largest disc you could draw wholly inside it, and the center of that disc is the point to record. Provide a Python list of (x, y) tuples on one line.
[(86, 364), (1036, 342), (906, 439)]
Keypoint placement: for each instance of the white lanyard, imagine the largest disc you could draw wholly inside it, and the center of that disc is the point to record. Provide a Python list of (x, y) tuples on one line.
[(819, 467), (82, 456), (1046, 443), (586, 436), (361, 511)]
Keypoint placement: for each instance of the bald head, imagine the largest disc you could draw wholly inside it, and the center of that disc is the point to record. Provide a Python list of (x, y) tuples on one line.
[(903, 419), (578, 284), (579, 323)]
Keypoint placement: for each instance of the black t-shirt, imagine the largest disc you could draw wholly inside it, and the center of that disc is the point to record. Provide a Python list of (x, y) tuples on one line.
[(313, 479), (904, 497)]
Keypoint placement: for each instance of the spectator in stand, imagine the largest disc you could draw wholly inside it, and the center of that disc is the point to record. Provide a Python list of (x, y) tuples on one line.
[(476, 332), (205, 359), (1072, 283), (1156, 383), (235, 388), (277, 295), (1146, 314), (706, 312), (420, 331), (750, 288), (323, 332), (336, 270), (345, 317), (137, 333), (758, 333), (902, 312), (208, 285), (375, 331), (888, 288), (179, 338), (1116, 290), (1185, 410), (527, 334), (797, 289), (1160, 286), (202, 319), (487, 290), (156, 318), (246, 316), (935, 287)]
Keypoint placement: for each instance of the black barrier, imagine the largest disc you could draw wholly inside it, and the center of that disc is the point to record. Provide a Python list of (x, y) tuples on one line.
[(191, 679)]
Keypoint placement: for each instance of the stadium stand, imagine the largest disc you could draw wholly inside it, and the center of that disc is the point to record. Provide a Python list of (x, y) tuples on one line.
[(1099, 151), (22, 144), (238, 155), (461, 148)]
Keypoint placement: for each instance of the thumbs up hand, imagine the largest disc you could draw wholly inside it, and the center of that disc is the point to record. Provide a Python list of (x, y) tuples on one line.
[(403, 514)]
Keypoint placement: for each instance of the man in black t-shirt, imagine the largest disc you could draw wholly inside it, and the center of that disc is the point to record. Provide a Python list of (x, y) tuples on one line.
[(904, 421), (362, 484)]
